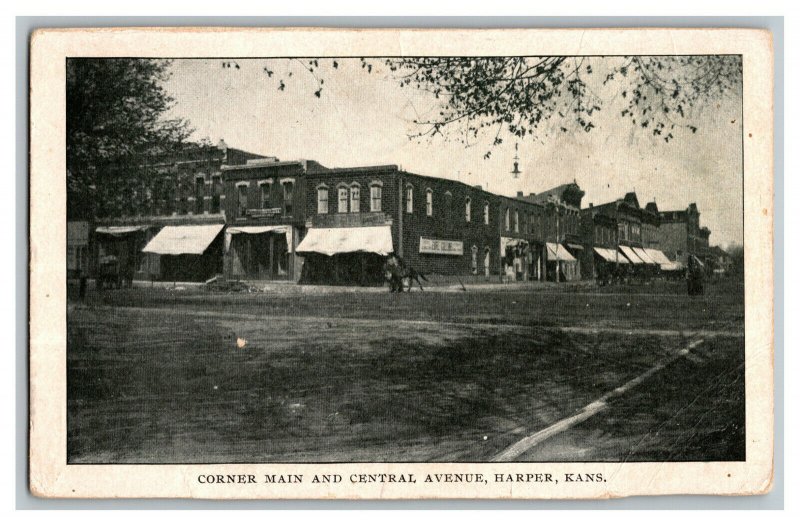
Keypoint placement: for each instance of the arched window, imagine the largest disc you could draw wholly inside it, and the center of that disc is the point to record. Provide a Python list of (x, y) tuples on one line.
[(516, 221), (486, 213), (375, 196), (474, 259), (468, 212), (342, 201), (409, 199), (429, 202), (322, 199), (355, 198), (448, 208), (508, 219)]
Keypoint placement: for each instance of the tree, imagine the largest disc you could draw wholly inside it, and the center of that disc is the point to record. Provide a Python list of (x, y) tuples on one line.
[(115, 120), (518, 95)]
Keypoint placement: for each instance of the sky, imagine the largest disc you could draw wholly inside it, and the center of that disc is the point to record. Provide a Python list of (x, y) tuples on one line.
[(363, 119)]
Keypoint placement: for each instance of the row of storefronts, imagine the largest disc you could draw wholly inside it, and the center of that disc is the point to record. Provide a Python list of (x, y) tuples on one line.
[(262, 219)]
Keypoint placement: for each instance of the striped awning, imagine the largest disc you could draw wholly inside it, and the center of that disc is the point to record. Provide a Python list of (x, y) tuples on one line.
[(631, 255)]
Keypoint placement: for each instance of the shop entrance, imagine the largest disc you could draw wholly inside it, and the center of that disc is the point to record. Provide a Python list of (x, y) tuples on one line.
[(263, 256)]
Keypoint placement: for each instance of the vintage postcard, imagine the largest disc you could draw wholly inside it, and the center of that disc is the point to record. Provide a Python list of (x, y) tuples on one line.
[(393, 264)]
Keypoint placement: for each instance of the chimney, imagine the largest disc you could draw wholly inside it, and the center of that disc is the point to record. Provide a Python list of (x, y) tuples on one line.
[(591, 205), (520, 193)]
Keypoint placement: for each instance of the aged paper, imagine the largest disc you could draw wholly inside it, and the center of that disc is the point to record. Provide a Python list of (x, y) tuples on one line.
[(393, 264)]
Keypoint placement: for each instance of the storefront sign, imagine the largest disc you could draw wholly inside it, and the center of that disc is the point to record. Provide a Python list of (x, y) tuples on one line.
[(441, 246)]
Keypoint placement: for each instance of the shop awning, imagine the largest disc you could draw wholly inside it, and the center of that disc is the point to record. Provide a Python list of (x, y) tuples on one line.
[(260, 229), (643, 255), (631, 255), (556, 252), (609, 255), (330, 241), (178, 240), (659, 257), (119, 231)]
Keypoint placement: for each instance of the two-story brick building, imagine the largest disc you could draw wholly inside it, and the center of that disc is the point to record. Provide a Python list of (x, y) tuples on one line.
[(356, 216), (172, 222), (560, 230), (624, 239)]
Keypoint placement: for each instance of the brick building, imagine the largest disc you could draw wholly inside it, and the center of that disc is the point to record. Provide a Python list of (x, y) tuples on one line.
[(623, 239), (171, 224), (681, 235), (355, 216), (560, 230), (265, 212)]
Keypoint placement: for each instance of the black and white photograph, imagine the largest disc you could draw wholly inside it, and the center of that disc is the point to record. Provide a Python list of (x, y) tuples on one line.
[(371, 260)]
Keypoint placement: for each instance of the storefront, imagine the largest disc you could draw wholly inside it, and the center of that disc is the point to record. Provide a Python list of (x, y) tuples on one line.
[(259, 252), (119, 248), (561, 265), (522, 260), (187, 253), (345, 256)]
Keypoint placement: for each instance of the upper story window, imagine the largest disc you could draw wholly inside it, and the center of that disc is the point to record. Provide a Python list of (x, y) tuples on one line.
[(375, 196), (288, 197), (516, 221), (486, 213), (355, 199), (266, 190), (508, 219), (409, 199), (199, 194), (216, 193), (448, 208), (429, 202), (322, 199), (343, 197), (468, 209), (241, 199)]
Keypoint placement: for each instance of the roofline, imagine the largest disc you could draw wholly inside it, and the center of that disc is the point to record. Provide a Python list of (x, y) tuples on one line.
[(234, 167)]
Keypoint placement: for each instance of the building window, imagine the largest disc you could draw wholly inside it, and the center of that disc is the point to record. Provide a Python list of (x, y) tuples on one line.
[(288, 197), (409, 199), (516, 221), (199, 194), (241, 194), (468, 213), (448, 208), (485, 213), (342, 192), (183, 205), (508, 219), (216, 193), (429, 202), (322, 200), (266, 189), (375, 192), (355, 199)]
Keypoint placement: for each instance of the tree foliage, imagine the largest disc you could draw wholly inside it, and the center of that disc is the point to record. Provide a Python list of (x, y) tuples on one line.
[(517, 96), (115, 120)]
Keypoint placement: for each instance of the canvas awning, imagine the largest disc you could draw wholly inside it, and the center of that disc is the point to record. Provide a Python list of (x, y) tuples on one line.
[(330, 241), (119, 231), (643, 255), (178, 240), (631, 255), (259, 229), (556, 252), (657, 256), (609, 255)]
